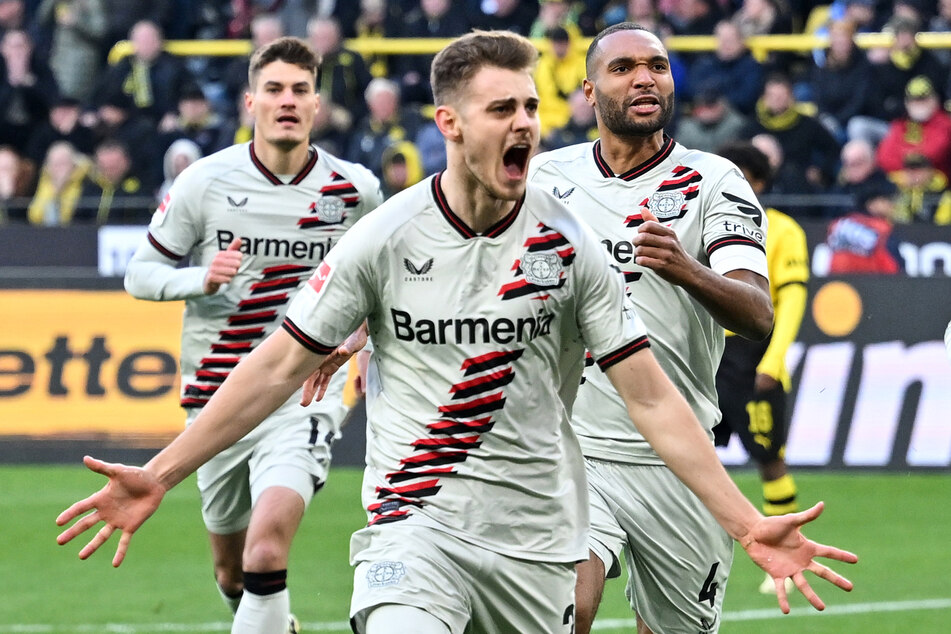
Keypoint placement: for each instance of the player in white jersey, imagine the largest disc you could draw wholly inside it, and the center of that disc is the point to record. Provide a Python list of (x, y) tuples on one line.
[(254, 220), (688, 234), (481, 296)]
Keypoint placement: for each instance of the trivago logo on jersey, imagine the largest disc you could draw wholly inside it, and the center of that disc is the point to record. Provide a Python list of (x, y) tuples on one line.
[(321, 275)]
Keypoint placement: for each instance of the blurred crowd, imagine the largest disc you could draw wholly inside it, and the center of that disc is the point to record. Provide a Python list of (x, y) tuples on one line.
[(848, 130)]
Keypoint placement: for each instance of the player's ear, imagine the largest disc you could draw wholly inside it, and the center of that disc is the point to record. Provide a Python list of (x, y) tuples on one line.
[(249, 101), (447, 120), (587, 87)]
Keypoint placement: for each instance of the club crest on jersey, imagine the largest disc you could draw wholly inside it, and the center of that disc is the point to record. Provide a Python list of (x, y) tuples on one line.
[(667, 205), (329, 209), (542, 269), (385, 573)]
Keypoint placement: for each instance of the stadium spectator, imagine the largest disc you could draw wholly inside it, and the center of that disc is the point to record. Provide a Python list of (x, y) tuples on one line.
[(894, 67), (196, 121), (643, 12), (119, 120), (58, 197), (151, 76), (512, 15), (265, 28), (385, 124), (788, 178), (762, 17), (712, 121), (402, 167), (807, 144), (16, 180), (923, 192), (239, 127), (343, 73), (581, 127), (840, 85), (559, 72), (27, 88), (555, 13), (12, 16), (124, 15), (243, 13), (694, 17), (78, 41), (63, 124), (179, 155), (114, 190), (858, 171), (371, 25), (731, 68), (327, 134), (941, 22), (863, 241), (432, 19), (924, 128)]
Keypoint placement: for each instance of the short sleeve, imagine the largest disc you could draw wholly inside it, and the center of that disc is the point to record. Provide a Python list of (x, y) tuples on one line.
[(336, 299), (610, 326), (735, 225), (175, 227)]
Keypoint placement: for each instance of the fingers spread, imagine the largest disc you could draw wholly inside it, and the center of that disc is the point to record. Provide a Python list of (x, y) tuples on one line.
[(74, 511), (100, 538), (122, 548), (830, 575), (800, 580), (831, 552)]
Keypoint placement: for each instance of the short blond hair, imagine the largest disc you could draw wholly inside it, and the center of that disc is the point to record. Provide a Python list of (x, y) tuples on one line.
[(455, 65)]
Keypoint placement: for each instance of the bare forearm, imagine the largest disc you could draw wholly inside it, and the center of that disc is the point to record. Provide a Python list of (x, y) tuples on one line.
[(738, 301), (665, 419), (258, 385)]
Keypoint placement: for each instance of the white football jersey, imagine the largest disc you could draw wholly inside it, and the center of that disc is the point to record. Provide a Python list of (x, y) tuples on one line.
[(708, 202), (479, 345), (286, 225)]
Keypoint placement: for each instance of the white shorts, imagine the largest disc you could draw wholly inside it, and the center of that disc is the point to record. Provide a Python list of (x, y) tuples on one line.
[(678, 556), (291, 449), (471, 589)]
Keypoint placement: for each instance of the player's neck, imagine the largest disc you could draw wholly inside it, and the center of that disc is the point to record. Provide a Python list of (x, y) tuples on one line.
[(282, 160), (627, 152), (471, 201)]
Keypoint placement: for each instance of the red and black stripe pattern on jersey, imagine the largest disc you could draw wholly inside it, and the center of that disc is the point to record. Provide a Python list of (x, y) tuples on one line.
[(246, 327), (340, 189), (611, 358), (459, 224), (457, 430), (665, 149), (550, 241), (734, 240)]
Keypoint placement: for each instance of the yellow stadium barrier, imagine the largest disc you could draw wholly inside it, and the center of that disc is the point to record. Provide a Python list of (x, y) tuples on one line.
[(760, 45)]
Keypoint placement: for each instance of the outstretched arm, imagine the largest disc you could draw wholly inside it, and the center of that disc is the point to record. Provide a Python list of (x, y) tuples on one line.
[(669, 425), (257, 386), (315, 386)]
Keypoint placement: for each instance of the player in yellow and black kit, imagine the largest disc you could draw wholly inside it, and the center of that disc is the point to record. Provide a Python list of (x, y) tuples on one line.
[(752, 380)]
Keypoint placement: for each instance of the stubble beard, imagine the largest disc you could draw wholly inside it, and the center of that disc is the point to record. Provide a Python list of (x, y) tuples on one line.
[(613, 115)]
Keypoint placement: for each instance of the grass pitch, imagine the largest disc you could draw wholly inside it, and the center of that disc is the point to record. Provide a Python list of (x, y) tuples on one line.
[(897, 523)]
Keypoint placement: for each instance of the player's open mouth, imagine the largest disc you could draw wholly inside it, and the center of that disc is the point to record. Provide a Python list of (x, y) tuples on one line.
[(288, 118), (646, 104), (515, 160)]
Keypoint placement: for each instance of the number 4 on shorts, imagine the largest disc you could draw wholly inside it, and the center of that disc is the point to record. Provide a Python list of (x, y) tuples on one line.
[(709, 590)]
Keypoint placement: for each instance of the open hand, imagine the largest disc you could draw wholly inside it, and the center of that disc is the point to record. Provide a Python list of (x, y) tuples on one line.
[(124, 503), (777, 546)]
